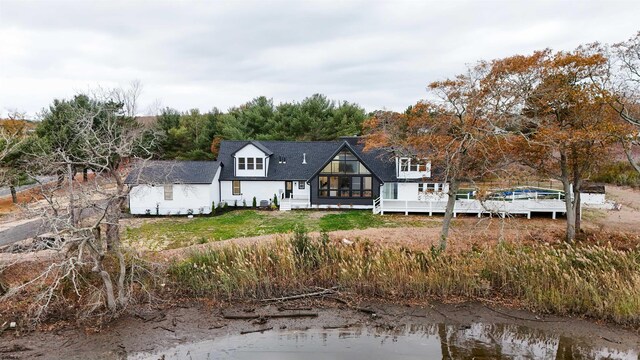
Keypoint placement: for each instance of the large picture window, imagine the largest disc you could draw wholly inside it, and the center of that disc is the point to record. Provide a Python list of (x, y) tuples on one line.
[(345, 177)]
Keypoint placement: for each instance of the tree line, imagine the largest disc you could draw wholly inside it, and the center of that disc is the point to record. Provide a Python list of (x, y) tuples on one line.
[(193, 135)]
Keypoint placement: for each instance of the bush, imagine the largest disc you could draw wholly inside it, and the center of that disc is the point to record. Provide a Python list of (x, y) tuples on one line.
[(255, 202), (275, 199), (618, 173)]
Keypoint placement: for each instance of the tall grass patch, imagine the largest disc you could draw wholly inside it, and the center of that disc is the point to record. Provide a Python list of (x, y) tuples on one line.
[(596, 281)]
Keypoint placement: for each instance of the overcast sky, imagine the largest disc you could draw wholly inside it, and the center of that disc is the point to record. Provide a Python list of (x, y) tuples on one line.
[(206, 54)]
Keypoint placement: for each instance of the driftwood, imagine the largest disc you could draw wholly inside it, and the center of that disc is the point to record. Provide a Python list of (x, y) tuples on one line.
[(339, 326), (269, 316), (371, 312), (302, 296), (255, 331)]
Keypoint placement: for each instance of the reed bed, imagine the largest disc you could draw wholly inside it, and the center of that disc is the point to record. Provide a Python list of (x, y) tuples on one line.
[(596, 281)]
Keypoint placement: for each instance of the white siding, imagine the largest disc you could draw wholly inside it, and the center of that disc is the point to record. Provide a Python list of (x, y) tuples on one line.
[(409, 191), (198, 198), (149, 199), (262, 190), (250, 151), (301, 194)]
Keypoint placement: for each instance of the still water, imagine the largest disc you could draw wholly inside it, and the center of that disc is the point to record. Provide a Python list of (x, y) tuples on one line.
[(438, 341)]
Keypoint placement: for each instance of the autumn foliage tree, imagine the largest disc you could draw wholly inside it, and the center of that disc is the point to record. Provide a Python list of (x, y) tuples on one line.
[(561, 120), (454, 132)]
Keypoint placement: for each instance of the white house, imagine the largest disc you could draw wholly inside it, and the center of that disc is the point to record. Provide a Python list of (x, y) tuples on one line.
[(174, 187), (316, 174)]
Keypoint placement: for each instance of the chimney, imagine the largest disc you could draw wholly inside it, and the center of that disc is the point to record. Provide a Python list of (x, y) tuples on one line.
[(304, 158)]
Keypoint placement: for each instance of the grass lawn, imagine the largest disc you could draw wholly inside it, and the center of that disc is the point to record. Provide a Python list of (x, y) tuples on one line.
[(171, 233)]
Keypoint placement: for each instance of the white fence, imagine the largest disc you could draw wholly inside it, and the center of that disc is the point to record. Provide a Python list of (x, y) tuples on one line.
[(500, 207)]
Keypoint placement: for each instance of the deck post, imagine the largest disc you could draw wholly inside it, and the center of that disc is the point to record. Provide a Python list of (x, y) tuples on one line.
[(553, 215), (430, 208), (479, 213), (529, 215), (406, 207)]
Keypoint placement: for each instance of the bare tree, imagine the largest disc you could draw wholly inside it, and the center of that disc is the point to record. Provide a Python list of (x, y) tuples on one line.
[(625, 85), (84, 218)]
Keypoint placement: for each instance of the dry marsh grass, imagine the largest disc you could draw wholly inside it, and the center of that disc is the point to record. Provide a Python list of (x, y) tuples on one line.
[(592, 280)]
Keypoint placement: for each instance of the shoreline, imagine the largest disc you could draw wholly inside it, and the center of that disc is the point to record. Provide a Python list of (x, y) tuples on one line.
[(144, 329)]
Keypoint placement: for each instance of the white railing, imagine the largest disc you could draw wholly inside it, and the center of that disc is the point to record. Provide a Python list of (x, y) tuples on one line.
[(464, 206), (377, 205)]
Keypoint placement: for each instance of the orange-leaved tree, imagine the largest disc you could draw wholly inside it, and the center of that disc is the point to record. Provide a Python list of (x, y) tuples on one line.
[(563, 125), (453, 131)]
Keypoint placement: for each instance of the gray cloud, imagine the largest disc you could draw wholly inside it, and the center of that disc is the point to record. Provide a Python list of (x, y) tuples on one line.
[(381, 54)]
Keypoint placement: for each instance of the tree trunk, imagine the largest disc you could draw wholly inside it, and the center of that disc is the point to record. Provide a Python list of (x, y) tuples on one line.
[(448, 214), (14, 194), (113, 234), (568, 198), (108, 287), (628, 152), (85, 174), (72, 209)]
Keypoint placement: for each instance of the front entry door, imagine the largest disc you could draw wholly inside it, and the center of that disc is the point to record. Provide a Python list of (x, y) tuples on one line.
[(288, 189)]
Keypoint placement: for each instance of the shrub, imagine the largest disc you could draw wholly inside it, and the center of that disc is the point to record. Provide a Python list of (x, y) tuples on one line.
[(275, 199), (618, 173), (255, 202)]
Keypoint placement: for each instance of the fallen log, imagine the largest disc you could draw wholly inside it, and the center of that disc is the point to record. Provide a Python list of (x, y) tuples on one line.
[(269, 316), (302, 296), (255, 331)]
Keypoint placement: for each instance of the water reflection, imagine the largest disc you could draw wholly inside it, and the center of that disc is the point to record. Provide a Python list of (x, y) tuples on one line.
[(438, 341)]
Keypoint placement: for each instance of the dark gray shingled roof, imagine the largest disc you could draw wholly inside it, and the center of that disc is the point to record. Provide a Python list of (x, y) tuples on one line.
[(173, 172), (318, 153)]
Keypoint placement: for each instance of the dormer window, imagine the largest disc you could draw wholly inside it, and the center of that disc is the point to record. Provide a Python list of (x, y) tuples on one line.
[(404, 164), (252, 160), (412, 168)]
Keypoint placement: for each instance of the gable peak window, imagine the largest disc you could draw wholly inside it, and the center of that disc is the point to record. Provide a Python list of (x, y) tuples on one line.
[(345, 177)]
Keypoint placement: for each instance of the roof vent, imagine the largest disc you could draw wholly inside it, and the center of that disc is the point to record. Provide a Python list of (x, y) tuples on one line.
[(304, 158)]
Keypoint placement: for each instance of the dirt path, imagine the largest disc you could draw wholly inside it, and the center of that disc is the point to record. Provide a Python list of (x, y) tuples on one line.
[(625, 219), (156, 330)]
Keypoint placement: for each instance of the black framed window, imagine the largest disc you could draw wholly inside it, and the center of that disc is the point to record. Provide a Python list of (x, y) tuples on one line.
[(259, 164), (404, 164), (345, 177), (236, 187), (250, 163), (420, 187), (301, 185), (241, 163)]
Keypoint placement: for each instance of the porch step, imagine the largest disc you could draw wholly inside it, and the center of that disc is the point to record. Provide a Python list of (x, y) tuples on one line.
[(285, 206)]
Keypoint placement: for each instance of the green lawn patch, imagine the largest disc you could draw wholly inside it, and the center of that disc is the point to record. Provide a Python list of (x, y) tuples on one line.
[(169, 233)]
